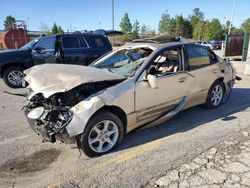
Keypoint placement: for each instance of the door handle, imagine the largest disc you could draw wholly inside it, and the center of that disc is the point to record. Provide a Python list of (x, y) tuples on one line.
[(183, 79), (215, 71)]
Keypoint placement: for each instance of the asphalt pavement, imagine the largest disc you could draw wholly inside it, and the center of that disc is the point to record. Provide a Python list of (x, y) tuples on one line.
[(144, 156)]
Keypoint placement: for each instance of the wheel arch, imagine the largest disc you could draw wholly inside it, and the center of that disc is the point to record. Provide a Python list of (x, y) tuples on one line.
[(14, 64), (117, 111), (221, 79)]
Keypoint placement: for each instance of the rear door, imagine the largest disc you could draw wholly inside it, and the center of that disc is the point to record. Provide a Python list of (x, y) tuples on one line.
[(203, 64), (75, 50), (44, 50)]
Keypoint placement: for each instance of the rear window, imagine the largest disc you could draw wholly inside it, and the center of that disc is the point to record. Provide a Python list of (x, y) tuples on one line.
[(197, 56), (98, 42)]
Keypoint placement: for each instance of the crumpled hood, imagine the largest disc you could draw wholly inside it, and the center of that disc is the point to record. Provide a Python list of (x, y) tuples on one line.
[(49, 79)]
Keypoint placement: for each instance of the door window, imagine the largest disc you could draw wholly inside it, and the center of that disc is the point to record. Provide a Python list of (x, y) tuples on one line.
[(197, 56), (167, 62), (73, 42), (47, 43)]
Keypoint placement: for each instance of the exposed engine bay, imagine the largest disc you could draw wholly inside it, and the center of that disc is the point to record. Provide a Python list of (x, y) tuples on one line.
[(49, 116)]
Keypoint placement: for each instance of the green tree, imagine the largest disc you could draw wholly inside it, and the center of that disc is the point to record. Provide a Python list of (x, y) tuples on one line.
[(125, 24), (197, 23), (182, 27), (164, 23), (245, 26), (213, 30), (9, 22), (143, 30), (54, 29), (136, 29), (198, 30), (237, 31), (60, 30)]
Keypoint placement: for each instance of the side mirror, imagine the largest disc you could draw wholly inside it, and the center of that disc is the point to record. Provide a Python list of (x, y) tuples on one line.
[(152, 81), (37, 49)]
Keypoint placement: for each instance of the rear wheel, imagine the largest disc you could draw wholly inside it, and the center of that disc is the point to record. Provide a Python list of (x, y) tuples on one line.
[(215, 95), (102, 134), (13, 76)]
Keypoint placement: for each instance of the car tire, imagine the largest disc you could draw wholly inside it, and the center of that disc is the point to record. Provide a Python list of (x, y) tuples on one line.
[(215, 95), (103, 133), (13, 76)]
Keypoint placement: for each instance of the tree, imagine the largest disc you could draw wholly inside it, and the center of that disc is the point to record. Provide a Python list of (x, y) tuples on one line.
[(136, 28), (213, 30), (198, 30), (143, 30), (54, 29), (245, 26), (9, 22), (164, 23), (60, 30), (197, 23), (182, 27), (125, 24)]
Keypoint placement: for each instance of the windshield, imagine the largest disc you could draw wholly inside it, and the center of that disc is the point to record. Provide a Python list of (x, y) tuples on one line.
[(30, 44), (124, 62)]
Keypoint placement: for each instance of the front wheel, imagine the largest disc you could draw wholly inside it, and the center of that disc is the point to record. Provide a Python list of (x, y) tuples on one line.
[(215, 95), (102, 134), (13, 76)]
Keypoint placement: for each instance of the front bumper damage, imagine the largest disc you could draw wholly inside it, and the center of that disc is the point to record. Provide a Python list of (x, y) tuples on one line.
[(55, 122), (50, 124)]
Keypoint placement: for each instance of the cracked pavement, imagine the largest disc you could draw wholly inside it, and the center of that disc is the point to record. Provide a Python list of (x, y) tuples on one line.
[(225, 165)]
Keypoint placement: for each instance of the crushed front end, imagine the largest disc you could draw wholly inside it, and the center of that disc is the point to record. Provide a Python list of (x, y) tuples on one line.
[(48, 117)]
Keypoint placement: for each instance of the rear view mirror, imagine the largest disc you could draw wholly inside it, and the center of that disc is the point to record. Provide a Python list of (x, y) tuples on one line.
[(152, 81)]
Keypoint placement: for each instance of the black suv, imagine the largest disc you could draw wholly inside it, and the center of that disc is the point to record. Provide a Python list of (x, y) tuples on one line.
[(80, 48)]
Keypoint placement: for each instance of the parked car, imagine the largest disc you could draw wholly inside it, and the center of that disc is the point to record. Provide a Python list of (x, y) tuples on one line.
[(143, 82), (81, 48), (205, 43), (215, 45)]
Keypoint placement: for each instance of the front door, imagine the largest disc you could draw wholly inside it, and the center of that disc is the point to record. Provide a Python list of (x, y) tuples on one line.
[(173, 85), (44, 51)]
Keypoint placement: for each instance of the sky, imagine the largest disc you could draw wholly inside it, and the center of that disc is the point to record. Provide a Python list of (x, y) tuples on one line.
[(95, 14)]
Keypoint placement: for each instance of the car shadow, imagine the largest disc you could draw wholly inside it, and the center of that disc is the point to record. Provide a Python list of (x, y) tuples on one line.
[(188, 119)]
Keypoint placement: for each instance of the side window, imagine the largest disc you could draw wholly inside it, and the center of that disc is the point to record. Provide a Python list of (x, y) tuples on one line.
[(47, 43), (72, 42), (197, 56), (83, 43), (167, 62), (213, 58), (98, 42)]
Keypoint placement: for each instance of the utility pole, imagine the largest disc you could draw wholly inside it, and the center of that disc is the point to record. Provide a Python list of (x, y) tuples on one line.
[(113, 20), (232, 17)]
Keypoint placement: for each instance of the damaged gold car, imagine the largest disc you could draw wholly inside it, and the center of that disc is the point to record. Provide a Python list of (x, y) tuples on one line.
[(143, 82)]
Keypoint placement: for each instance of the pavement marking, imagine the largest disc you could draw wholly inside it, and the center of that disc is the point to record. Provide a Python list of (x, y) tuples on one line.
[(123, 157), (9, 140), (54, 185)]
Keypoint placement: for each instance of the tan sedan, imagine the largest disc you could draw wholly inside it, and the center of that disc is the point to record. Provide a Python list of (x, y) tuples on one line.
[(143, 82)]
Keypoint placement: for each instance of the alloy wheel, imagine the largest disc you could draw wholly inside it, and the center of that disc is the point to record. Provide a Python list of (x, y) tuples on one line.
[(15, 77), (217, 95), (103, 136)]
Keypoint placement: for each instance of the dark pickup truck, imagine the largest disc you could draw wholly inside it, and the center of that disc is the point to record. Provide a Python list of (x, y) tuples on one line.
[(80, 48)]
